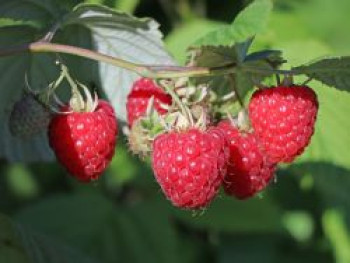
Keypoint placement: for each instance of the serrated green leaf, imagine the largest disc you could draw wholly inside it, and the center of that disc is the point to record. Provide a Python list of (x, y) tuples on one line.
[(333, 71), (182, 37), (251, 21), (242, 80), (124, 36)]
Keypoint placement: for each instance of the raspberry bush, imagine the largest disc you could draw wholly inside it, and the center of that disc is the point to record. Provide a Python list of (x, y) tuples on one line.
[(194, 140)]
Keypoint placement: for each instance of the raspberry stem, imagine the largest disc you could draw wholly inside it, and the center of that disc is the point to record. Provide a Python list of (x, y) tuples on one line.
[(149, 71), (238, 96), (179, 103)]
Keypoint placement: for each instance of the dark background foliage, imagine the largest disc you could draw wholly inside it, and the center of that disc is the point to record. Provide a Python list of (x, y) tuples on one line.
[(304, 216)]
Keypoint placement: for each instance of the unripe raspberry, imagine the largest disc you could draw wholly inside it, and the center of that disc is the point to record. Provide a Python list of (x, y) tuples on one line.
[(28, 117)]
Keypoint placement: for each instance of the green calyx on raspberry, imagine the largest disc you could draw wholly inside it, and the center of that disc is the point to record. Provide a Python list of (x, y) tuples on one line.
[(144, 130), (190, 107), (187, 110), (78, 103)]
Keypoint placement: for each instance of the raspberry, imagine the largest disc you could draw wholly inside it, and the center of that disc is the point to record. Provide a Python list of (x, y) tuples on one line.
[(141, 92), (248, 170), (28, 117), (84, 142), (190, 165), (284, 118)]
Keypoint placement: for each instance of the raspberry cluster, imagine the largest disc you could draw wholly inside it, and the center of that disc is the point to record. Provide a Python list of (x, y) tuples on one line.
[(192, 153), (190, 164)]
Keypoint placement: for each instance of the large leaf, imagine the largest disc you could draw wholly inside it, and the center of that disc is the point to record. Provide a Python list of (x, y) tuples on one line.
[(124, 36), (330, 181), (19, 245), (334, 72), (113, 234), (331, 28), (185, 35), (11, 84), (229, 215), (87, 26), (268, 248), (41, 69), (242, 80), (251, 21)]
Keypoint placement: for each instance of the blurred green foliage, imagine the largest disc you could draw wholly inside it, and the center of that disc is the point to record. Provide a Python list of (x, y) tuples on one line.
[(303, 217)]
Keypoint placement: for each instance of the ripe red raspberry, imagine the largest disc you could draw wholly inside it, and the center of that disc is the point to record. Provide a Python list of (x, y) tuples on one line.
[(284, 118), (141, 92), (190, 166), (84, 142), (248, 170)]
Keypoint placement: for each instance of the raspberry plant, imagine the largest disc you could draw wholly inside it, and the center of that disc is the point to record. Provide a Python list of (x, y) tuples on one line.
[(227, 117)]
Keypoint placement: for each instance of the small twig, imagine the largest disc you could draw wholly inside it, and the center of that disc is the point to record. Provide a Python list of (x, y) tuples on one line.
[(150, 71), (50, 34), (307, 81), (237, 95), (278, 79)]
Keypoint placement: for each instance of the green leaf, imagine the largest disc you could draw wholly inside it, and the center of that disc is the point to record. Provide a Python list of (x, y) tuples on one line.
[(333, 71), (249, 22), (248, 248), (242, 80), (127, 5), (11, 249), (6, 22), (12, 148), (183, 36), (234, 216), (20, 245), (124, 36), (134, 233)]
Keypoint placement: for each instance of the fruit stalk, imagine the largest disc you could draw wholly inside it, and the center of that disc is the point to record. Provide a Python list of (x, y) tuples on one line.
[(149, 71)]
